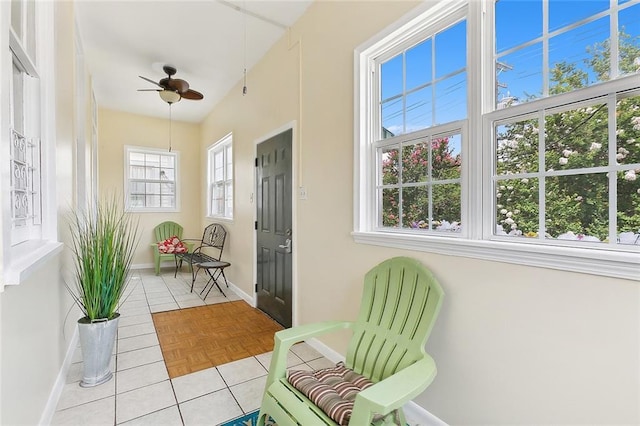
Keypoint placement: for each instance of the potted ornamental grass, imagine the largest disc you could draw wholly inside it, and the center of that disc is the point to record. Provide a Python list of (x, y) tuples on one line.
[(104, 240)]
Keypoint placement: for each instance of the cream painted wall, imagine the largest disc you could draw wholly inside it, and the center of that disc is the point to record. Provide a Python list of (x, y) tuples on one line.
[(117, 129), (38, 317), (514, 344)]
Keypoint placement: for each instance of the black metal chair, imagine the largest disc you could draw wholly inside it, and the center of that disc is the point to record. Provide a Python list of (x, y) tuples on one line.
[(212, 241)]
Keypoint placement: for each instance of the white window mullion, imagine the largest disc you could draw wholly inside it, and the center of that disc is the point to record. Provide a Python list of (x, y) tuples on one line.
[(614, 38), (545, 49), (400, 183), (475, 164), (542, 173), (612, 174)]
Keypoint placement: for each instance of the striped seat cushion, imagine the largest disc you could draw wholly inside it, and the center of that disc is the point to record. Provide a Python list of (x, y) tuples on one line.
[(333, 389)]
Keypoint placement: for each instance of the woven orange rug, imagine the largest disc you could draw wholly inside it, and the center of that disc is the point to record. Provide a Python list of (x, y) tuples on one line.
[(194, 339)]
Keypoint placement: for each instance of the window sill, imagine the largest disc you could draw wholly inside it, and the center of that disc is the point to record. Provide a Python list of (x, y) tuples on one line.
[(593, 261), (220, 219), (151, 210), (28, 257)]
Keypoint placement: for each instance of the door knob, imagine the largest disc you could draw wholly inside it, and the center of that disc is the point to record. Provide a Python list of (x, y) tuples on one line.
[(286, 246)]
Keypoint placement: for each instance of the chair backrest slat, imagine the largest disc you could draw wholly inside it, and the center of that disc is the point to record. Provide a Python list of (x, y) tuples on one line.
[(400, 303), (166, 230)]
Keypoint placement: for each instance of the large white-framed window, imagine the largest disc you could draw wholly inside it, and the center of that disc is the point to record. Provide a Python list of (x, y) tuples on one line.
[(151, 180), (220, 178), (549, 150), (29, 213)]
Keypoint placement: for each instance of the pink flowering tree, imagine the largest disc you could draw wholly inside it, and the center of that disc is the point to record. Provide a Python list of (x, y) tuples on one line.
[(419, 170)]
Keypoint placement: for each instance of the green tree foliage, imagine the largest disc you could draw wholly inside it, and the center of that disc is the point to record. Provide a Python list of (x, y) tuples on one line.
[(574, 140)]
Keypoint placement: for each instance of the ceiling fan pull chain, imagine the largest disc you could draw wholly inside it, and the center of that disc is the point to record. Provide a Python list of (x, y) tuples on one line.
[(244, 24), (244, 88), (170, 127)]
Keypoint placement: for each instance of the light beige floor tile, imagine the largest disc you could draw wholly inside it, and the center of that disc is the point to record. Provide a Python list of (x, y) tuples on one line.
[(143, 401), (186, 297), (197, 384), (166, 417), (135, 319), (135, 330), (74, 395), (301, 367), (155, 287), (249, 394), (211, 409), (137, 342), (242, 370), (292, 359), (157, 294), (190, 303), (99, 413), (139, 357), (305, 352), (139, 377), (133, 297), (317, 364), (165, 307), (134, 304), (161, 300), (128, 312), (211, 300)]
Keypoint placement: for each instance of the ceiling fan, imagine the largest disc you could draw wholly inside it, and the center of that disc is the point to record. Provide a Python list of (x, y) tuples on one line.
[(171, 90)]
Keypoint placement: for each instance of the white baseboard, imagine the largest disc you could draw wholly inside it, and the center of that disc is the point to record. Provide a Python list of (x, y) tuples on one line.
[(150, 265), (61, 380), (416, 415), (325, 350), (245, 296)]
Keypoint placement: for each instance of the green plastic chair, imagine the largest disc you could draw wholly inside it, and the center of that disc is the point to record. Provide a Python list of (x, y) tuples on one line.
[(162, 232), (400, 303)]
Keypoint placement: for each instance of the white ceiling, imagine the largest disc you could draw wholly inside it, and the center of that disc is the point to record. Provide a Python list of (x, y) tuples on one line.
[(204, 40)]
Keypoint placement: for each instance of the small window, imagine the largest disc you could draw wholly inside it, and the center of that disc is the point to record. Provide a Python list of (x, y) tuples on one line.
[(151, 183), (220, 178)]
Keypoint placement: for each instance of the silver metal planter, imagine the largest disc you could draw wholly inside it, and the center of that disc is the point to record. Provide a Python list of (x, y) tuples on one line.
[(96, 341)]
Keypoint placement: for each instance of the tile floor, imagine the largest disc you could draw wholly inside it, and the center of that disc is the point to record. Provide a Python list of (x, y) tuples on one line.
[(141, 392)]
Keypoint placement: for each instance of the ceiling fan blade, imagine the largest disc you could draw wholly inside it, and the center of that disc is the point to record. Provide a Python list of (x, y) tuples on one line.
[(178, 85), (150, 81), (193, 95), (149, 90)]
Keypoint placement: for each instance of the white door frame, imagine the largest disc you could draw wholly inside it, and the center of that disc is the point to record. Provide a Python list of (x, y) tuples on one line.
[(294, 215)]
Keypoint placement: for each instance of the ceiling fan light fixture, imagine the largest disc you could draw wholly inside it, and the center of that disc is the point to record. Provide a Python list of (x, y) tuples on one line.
[(169, 96)]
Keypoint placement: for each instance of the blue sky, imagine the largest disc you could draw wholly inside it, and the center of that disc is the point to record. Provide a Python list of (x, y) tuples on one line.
[(524, 78)]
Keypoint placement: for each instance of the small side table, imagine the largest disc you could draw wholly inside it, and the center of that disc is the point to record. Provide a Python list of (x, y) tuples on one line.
[(214, 269)]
